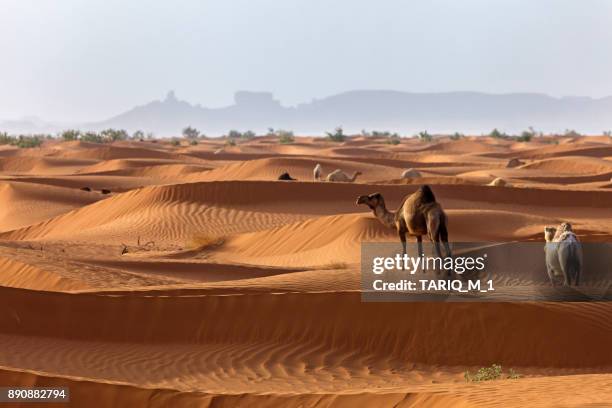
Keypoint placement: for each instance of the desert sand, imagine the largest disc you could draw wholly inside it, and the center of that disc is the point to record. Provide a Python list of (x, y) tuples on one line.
[(203, 281)]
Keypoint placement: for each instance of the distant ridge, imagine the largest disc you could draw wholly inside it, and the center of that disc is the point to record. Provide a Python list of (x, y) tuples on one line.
[(403, 112)]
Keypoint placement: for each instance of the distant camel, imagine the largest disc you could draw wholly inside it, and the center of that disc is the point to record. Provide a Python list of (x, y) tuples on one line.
[(418, 215), (286, 176), (563, 254), (317, 172), (499, 182), (105, 191), (411, 173), (339, 175)]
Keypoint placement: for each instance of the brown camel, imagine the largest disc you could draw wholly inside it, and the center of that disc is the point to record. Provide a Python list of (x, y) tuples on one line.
[(418, 215)]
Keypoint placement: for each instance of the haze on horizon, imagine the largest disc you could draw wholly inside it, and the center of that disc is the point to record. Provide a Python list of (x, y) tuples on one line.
[(71, 60)]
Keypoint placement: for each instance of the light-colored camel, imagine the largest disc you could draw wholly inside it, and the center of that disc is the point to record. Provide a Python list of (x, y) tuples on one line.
[(339, 175), (499, 182), (317, 172), (418, 215), (411, 173), (563, 254)]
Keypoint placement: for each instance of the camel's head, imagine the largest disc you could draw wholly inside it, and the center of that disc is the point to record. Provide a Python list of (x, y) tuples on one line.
[(549, 233), (372, 200)]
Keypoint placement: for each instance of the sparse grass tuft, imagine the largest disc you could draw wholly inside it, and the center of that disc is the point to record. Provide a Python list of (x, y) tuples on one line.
[(490, 373), (337, 136)]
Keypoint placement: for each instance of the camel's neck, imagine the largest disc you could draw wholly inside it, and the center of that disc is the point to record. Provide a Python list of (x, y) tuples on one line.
[(354, 177), (385, 216)]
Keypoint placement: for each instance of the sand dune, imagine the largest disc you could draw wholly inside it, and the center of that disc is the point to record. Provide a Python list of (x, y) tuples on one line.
[(201, 280)]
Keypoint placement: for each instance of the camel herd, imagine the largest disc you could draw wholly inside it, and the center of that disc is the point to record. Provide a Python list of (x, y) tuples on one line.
[(420, 215)]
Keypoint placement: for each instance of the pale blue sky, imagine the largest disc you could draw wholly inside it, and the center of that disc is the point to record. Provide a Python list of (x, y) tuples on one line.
[(90, 59)]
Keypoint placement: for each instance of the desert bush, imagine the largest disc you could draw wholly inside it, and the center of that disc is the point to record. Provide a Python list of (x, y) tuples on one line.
[(114, 134), (234, 134), (5, 138), (285, 136), (490, 373), (70, 135), (525, 136), (425, 136), (607, 133), (456, 136), (26, 142), (175, 142), (571, 133), (191, 133), (193, 142), (138, 135), (496, 134), (337, 136), (230, 142), (249, 134), (393, 139), (92, 137)]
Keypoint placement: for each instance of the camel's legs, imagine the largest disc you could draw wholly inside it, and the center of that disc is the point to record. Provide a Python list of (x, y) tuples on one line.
[(444, 239), (420, 246), (551, 276)]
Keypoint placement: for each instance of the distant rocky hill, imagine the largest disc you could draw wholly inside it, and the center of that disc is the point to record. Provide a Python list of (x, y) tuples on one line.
[(468, 112)]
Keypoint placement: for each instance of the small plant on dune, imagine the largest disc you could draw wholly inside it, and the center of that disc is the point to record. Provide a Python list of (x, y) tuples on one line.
[(489, 373), (525, 136), (92, 137), (191, 133), (113, 135), (571, 133), (496, 134), (394, 139), (230, 142), (204, 241), (5, 138), (138, 135), (193, 142), (456, 136), (70, 135), (26, 142), (248, 135), (607, 133), (424, 136), (337, 136), (285, 136), (234, 134), (175, 142)]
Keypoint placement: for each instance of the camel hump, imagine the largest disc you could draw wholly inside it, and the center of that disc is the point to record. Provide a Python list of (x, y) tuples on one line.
[(427, 195)]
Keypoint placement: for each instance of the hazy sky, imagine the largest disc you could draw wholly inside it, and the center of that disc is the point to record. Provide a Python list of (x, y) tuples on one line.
[(90, 59)]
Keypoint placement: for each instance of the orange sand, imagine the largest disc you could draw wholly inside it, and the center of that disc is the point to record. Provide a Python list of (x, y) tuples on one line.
[(203, 281)]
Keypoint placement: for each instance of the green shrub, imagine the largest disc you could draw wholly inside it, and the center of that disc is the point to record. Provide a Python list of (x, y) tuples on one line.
[(456, 136), (425, 136), (249, 134), (5, 138), (489, 373), (114, 135), (70, 135), (26, 142), (607, 133), (191, 133), (92, 137), (175, 142), (138, 135), (234, 134), (496, 134), (285, 136), (193, 142), (525, 136), (393, 139), (230, 142), (337, 136)]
